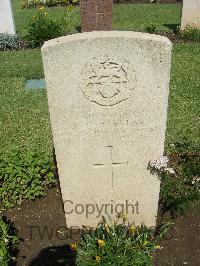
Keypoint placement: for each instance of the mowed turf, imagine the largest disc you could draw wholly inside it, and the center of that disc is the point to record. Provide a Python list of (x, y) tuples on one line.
[(134, 17), (24, 117), (184, 99)]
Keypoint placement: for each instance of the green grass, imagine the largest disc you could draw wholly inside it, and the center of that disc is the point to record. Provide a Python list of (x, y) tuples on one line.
[(184, 100), (125, 17), (24, 117), (136, 17), (27, 64), (22, 16)]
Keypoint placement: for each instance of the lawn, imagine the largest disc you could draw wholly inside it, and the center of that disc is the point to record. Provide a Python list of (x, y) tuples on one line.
[(24, 114), (184, 100), (125, 17), (24, 117)]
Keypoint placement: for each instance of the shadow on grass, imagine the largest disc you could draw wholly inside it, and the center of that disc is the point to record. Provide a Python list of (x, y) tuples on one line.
[(55, 256), (173, 27)]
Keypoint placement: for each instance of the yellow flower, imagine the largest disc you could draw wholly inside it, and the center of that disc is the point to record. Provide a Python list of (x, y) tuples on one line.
[(98, 259), (107, 228), (132, 229), (73, 247), (101, 243), (125, 217), (70, 8), (41, 8), (46, 14), (158, 247)]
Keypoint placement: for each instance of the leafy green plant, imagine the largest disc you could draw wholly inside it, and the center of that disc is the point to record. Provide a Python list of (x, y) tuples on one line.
[(9, 42), (8, 242), (118, 244), (47, 3), (152, 28), (42, 27), (191, 33), (180, 190), (24, 177), (180, 182)]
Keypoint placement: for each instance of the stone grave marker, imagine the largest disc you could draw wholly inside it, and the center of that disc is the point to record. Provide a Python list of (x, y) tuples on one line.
[(108, 97), (190, 14), (32, 84), (6, 17), (96, 15)]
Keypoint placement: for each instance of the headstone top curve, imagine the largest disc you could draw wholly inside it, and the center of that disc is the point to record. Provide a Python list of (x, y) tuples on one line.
[(105, 34)]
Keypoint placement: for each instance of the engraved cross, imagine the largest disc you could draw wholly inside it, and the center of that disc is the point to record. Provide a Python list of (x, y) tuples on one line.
[(111, 164)]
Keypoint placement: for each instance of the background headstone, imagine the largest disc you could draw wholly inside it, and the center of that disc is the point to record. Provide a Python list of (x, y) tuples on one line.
[(190, 14), (6, 17), (108, 96), (96, 15)]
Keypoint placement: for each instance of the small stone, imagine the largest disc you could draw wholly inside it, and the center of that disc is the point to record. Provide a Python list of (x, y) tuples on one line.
[(35, 84)]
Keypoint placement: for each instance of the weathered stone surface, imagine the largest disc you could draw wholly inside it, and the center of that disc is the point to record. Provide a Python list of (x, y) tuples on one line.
[(108, 95), (190, 14), (96, 15), (6, 18)]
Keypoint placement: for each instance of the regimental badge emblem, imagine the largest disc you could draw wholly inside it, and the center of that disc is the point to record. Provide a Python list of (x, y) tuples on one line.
[(108, 81)]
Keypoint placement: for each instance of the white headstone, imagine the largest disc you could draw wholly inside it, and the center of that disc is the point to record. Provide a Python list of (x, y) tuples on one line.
[(190, 14), (108, 96), (6, 17)]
